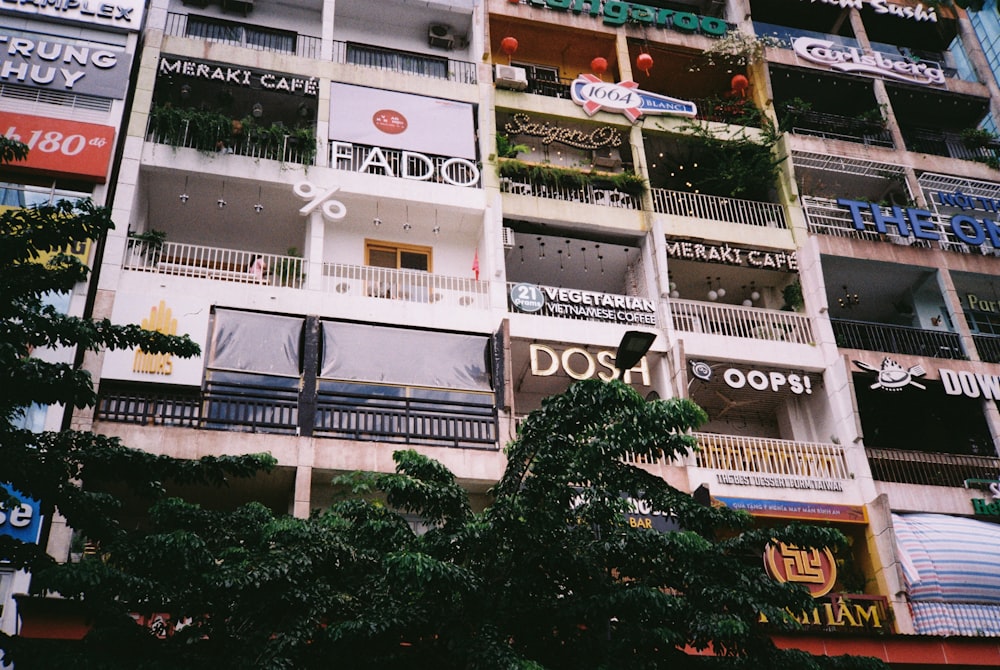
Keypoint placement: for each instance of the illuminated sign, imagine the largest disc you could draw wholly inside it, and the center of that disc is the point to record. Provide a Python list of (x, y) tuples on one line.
[(411, 165), (53, 63), (730, 255), (23, 522), (604, 136), (972, 385), (981, 507), (61, 148), (891, 376), (756, 379), (918, 13), (124, 15), (814, 568), (914, 222), (581, 364), (614, 13), (579, 304), (625, 98), (240, 76), (850, 59)]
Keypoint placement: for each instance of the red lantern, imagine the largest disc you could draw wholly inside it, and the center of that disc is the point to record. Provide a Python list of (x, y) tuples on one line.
[(599, 65), (643, 62), (508, 45), (739, 85)]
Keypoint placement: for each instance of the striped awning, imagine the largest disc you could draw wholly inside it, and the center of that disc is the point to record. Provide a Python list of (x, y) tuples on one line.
[(956, 619)]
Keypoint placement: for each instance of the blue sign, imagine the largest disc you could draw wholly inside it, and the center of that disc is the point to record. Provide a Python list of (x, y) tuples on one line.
[(23, 522), (593, 94)]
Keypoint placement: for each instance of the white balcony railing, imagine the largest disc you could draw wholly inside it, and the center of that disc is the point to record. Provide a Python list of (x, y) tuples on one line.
[(717, 208), (733, 321), (406, 285), (234, 265), (767, 456)]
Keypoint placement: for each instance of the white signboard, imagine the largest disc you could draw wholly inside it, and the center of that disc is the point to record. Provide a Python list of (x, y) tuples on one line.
[(402, 121), (172, 315), (123, 15), (851, 59)]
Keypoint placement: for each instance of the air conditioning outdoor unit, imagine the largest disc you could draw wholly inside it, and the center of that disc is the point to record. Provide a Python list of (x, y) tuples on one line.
[(508, 237), (440, 36), (512, 77)]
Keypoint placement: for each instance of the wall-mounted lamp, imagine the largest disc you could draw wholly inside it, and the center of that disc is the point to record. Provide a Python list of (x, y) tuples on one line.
[(185, 91), (184, 197), (257, 110), (221, 202), (849, 299)]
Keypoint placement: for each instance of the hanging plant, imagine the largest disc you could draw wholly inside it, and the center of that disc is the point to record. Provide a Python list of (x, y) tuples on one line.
[(737, 49), (520, 171)]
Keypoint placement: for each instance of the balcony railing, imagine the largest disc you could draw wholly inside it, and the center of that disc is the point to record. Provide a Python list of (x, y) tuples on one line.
[(733, 321), (405, 285), (288, 149), (402, 164), (233, 265), (826, 217), (988, 348), (837, 127), (717, 208), (379, 58), (897, 339), (588, 193), (549, 88), (247, 35), (265, 409), (943, 143), (769, 456), (920, 467)]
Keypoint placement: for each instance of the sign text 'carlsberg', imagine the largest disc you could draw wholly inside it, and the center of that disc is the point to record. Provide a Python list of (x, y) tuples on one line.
[(851, 59), (625, 98)]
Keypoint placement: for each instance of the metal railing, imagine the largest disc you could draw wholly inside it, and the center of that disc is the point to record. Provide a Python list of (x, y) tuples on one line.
[(826, 217), (145, 406), (550, 88), (406, 285), (921, 467), (394, 60), (250, 408), (405, 420), (718, 208), (944, 143), (988, 348), (897, 339), (288, 148), (587, 193), (837, 127), (404, 164), (734, 321), (247, 35), (233, 265), (769, 456)]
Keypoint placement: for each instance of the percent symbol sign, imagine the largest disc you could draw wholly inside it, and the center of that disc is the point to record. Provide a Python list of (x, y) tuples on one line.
[(333, 210)]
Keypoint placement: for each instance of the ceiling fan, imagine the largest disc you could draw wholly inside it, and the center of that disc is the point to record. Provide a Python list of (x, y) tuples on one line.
[(730, 404)]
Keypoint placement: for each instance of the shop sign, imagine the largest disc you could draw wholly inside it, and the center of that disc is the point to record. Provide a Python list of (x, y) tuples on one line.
[(124, 15), (976, 303), (642, 515), (239, 76), (777, 482), (581, 364), (730, 255), (983, 507), (52, 63), (23, 522), (851, 59), (61, 148), (891, 376), (971, 385), (160, 320), (813, 568), (801, 511), (614, 13), (604, 136), (847, 611), (625, 98), (411, 165), (914, 222), (586, 305), (917, 13), (758, 380)]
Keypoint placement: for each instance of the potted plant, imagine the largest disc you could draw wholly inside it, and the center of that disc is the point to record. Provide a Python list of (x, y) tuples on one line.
[(148, 244), (792, 295), (507, 150), (977, 138)]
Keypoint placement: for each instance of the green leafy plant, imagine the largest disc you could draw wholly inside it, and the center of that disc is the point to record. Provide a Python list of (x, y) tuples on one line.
[(977, 138), (150, 243), (626, 182), (792, 295), (792, 111), (740, 111), (737, 49), (507, 150)]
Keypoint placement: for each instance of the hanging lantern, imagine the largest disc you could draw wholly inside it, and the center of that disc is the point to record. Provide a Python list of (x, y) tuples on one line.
[(739, 85), (643, 62), (599, 66), (508, 45)]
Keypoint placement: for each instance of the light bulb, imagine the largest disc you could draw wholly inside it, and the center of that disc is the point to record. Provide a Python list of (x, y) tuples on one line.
[(721, 292), (747, 303), (713, 296), (755, 296)]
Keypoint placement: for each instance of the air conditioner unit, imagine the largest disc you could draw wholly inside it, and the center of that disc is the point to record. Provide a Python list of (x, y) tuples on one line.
[(440, 36), (512, 77), (508, 238)]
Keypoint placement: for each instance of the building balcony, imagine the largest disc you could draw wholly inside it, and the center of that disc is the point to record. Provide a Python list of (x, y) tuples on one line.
[(754, 323), (590, 192), (718, 208), (246, 35), (892, 339), (374, 283), (767, 456), (836, 127), (930, 469), (988, 348), (215, 263), (950, 144), (405, 62)]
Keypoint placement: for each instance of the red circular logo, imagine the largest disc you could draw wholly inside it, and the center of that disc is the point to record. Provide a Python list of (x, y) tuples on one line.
[(816, 569), (389, 121)]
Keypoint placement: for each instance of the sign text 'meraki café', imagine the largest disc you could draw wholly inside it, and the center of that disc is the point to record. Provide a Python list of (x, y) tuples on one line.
[(727, 254)]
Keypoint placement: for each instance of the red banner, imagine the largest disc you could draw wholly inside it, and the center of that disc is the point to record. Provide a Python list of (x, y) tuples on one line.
[(61, 148)]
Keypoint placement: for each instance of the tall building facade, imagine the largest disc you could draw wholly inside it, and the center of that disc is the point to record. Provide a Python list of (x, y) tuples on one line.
[(401, 224)]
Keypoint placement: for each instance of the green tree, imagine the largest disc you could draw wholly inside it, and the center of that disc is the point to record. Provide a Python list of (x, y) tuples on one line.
[(65, 470)]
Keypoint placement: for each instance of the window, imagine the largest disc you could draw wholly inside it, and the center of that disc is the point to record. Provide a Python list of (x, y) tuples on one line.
[(398, 61), (397, 256), (251, 37)]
